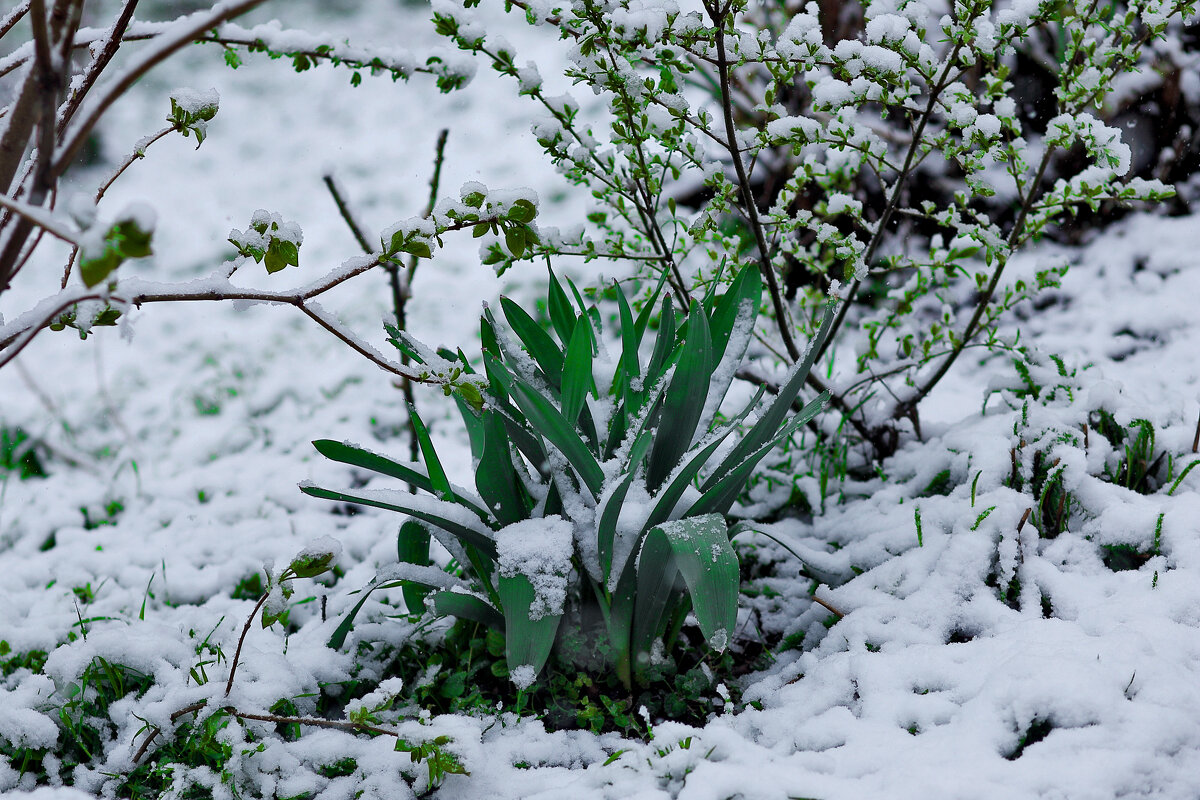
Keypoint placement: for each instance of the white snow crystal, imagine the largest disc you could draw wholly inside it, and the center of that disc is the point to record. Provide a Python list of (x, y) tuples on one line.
[(540, 549), (523, 676), (192, 102)]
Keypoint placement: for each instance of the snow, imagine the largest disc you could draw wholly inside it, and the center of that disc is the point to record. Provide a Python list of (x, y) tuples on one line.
[(194, 102), (539, 549), (201, 426)]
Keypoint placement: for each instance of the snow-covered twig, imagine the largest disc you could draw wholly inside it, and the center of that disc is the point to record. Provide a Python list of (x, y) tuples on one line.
[(42, 218), (182, 32), (15, 336)]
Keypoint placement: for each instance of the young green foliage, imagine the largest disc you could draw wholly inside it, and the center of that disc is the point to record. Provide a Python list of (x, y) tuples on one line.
[(610, 500)]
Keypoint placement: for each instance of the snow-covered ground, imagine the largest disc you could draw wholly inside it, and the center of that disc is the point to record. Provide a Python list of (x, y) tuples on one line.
[(187, 431)]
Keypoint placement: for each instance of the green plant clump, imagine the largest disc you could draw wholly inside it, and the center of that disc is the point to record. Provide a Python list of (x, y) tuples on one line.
[(18, 454), (602, 483)]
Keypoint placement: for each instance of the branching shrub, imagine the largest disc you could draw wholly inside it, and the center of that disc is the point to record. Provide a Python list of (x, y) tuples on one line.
[(894, 168)]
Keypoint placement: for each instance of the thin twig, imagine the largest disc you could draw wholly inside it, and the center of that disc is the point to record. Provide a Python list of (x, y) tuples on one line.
[(14, 342), (768, 272), (402, 292), (344, 209), (828, 606), (435, 182), (137, 155), (897, 190), (155, 730), (182, 33), (646, 205), (357, 727), (985, 299), (13, 17), (241, 640)]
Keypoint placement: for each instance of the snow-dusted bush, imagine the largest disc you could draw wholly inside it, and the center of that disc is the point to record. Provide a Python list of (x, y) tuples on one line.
[(886, 156)]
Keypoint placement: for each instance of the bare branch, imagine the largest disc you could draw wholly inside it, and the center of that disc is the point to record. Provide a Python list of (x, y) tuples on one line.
[(13, 17), (782, 321), (100, 60), (181, 33), (134, 292), (139, 152), (41, 217), (343, 206)]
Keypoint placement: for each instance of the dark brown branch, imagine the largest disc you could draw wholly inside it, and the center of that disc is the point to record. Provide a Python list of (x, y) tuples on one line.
[(317, 722), (136, 155), (48, 84), (343, 208), (751, 205), (242, 640), (198, 25), (832, 609), (402, 293), (13, 17), (897, 190), (101, 59)]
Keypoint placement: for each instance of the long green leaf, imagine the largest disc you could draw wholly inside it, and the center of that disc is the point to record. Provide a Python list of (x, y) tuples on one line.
[(719, 496), (773, 417), (643, 319), (487, 335), (684, 401), (627, 381), (667, 498), (496, 478), (577, 372), (697, 548), (606, 523), (539, 344), (620, 622), (715, 283), (412, 547), (630, 340), (390, 577), (357, 456), (347, 624), (514, 421), (562, 316), (549, 422), (527, 642), (447, 516), (745, 289), (467, 606), (663, 344), (437, 474), (472, 423)]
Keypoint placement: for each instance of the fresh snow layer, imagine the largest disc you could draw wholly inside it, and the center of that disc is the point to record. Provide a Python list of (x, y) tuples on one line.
[(199, 428)]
